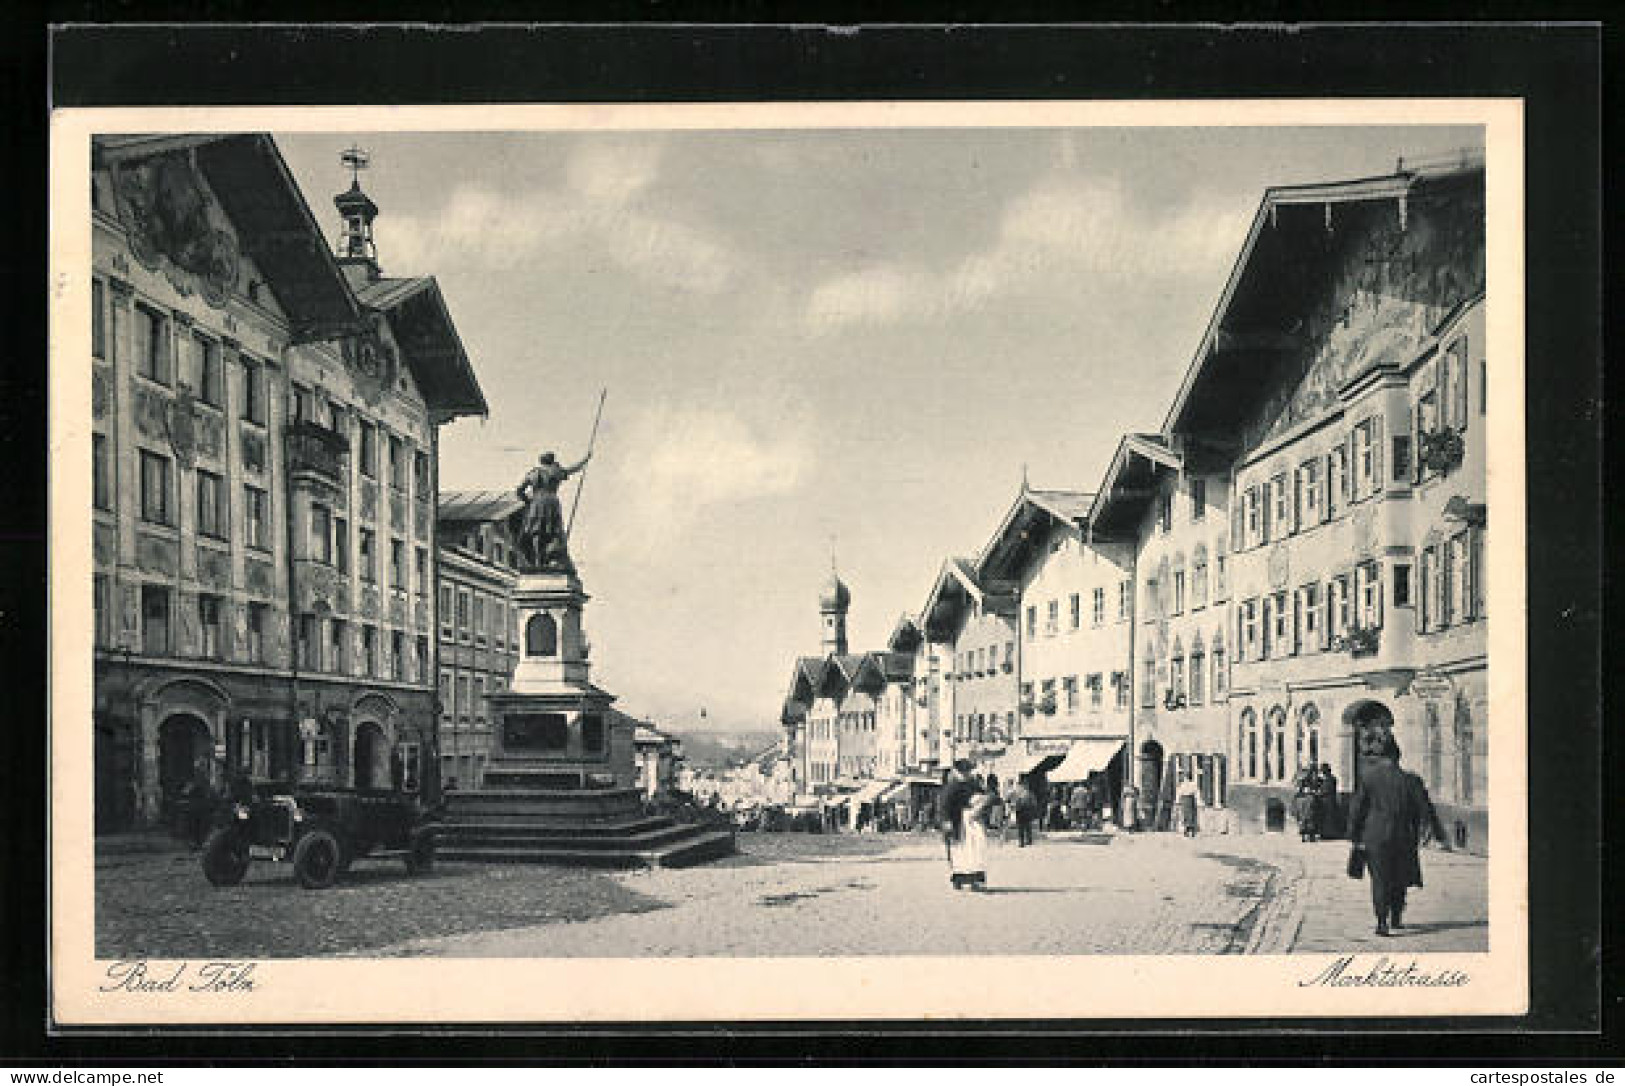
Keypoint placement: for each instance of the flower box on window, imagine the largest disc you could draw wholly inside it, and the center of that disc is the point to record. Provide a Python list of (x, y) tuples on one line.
[(1171, 700), (1047, 705), (1358, 641), (1442, 450)]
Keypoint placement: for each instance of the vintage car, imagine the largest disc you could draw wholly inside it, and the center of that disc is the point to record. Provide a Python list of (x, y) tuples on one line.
[(321, 830)]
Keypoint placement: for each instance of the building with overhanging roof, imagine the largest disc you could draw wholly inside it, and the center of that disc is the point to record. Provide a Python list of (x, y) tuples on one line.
[(1073, 637), (479, 628), (264, 457), (975, 622)]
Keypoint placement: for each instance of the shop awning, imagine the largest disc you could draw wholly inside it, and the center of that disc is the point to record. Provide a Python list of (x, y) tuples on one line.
[(871, 791), (1086, 756), (898, 790)]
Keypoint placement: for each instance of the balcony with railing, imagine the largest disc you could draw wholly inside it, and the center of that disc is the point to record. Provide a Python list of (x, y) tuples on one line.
[(316, 454)]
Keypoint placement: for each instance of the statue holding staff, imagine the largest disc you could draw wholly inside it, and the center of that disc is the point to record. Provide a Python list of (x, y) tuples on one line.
[(542, 537), (540, 528)]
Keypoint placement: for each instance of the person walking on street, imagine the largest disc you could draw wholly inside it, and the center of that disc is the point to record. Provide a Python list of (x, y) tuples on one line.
[(958, 790), (1326, 816), (1188, 793), (1024, 805), (1390, 813)]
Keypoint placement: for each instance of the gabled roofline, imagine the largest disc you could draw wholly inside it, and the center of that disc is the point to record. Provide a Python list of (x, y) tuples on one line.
[(1151, 448), (1037, 499), (1391, 186), (427, 284)]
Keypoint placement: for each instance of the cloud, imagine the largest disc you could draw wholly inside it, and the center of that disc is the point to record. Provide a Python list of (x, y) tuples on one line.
[(676, 462), (1076, 234), (595, 209)]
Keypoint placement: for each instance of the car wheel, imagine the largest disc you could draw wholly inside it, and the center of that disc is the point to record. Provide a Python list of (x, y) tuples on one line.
[(317, 860), (225, 857), (420, 854)]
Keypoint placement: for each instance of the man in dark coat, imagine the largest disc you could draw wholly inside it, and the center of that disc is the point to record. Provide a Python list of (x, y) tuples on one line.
[(1326, 819), (1390, 813)]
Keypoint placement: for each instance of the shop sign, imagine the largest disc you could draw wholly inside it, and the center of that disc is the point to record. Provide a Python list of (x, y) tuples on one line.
[(1048, 746), (1431, 684)]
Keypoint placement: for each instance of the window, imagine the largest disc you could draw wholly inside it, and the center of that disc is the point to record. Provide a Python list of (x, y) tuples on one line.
[(154, 620), (422, 672), (151, 336), (338, 646), (1198, 677), (304, 406), (212, 515), (1453, 385), (1402, 584), (463, 629), (420, 472), (1198, 500), (1165, 512), (397, 656), (1403, 469), (1032, 621), (1009, 656), (253, 391), (1221, 674), (1460, 577), (1247, 744), (256, 515), (304, 643), (1152, 598), (1199, 582), (256, 632), (1281, 625), (1052, 617), (1220, 582), (321, 533), (101, 481), (479, 617), (98, 319), (1368, 585), (369, 449), (1309, 487), (1120, 689), (1176, 673), (1148, 681), (155, 506), (397, 565), (1309, 609), (338, 419), (1337, 605), (1249, 630), (208, 380), (341, 544), (479, 704), (1097, 601), (210, 645), (101, 595), (1125, 599), (1367, 457), (1179, 592), (1076, 611), (369, 555), (420, 566), (1280, 511), (446, 606), (1254, 518), (397, 463), (1069, 689), (1337, 479), (369, 650)]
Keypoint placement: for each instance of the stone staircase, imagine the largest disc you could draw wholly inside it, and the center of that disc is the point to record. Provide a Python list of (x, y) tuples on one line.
[(587, 827)]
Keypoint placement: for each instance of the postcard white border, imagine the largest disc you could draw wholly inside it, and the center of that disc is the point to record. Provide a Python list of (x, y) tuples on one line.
[(351, 991)]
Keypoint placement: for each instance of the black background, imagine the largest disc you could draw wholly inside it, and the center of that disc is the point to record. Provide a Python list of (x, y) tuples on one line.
[(1556, 70)]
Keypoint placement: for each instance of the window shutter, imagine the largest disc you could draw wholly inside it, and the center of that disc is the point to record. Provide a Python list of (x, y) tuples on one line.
[(1327, 591), (1350, 467), (1297, 498), (1326, 488), (1377, 591), (1238, 501), (1475, 563), (1266, 521)]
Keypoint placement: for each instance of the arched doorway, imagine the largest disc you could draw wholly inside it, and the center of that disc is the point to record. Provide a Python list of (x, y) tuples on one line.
[(1368, 725), (1311, 751), (370, 756), (1150, 779), (185, 751)]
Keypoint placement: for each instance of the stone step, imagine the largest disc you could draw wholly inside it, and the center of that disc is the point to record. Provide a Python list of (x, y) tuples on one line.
[(707, 845), (561, 837), (506, 826), (525, 804)]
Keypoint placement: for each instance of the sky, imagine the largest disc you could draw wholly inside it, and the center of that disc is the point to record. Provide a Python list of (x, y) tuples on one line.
[(817, 345)]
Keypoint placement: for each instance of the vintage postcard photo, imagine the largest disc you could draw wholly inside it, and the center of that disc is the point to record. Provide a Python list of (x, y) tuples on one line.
[(662, 563)]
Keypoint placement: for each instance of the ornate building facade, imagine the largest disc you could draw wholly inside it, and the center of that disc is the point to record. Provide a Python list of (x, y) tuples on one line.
[(265, 420)]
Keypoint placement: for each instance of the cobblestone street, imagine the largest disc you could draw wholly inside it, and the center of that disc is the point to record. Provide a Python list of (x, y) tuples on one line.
[(798, 895)]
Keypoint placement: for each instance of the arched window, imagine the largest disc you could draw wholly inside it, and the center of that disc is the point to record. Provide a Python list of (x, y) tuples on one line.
[(1176, 674), (1221, 667), (541, 636), (1247, 745), (1309, 737), (1275, 744)]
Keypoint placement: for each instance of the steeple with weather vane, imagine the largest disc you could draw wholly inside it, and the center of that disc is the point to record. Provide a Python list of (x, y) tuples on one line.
[(357, 254)]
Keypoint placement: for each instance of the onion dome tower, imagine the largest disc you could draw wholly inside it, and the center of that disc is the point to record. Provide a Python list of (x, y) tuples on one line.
[(832, 604)]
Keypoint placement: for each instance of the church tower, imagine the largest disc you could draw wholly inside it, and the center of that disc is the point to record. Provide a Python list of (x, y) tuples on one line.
[(832, 603), (357, 254)]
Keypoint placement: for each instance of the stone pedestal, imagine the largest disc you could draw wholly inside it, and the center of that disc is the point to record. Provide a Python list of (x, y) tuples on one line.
[(560, 785)]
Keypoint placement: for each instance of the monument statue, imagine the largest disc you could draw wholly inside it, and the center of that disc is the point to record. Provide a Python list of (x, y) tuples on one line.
[(542, 534)]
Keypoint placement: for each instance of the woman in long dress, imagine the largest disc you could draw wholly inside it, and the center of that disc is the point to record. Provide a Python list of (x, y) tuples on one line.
[(970, 858)]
